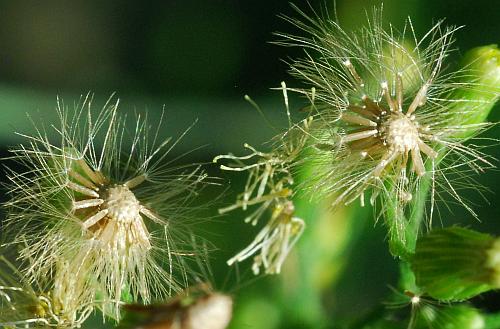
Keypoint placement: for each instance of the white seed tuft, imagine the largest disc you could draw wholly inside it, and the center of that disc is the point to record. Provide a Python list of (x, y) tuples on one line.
[(86, 204), (385, 111)]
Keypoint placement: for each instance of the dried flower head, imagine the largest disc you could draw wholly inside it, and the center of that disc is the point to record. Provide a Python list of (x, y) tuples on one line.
[(385, 114), (99, 211), (269, 185), (203, 309), (274, 241)]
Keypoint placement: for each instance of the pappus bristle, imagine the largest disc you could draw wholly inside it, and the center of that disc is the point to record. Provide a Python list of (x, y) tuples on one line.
[(29, 305), (269, 188)]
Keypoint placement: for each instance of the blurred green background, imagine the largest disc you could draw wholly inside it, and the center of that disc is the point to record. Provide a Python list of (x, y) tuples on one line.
[(198, 58)]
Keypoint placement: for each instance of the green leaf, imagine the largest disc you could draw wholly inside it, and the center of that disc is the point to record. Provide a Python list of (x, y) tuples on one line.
[(452, 263)]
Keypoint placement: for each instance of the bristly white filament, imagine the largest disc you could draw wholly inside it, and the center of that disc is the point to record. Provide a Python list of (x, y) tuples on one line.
[(25, 305), (103, 211), (275, 241), (269, 188)]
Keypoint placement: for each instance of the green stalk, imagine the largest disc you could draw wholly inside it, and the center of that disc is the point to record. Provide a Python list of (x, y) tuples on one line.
[(483, 65)]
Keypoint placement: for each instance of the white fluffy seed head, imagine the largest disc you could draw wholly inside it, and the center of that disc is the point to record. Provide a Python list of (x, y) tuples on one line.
[(385, 117), (81, 201)]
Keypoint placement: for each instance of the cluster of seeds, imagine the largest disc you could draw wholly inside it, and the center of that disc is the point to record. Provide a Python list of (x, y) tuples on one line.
[(95, 214)]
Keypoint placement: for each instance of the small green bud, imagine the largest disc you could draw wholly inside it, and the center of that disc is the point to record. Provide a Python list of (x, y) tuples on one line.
[(456, 263)]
